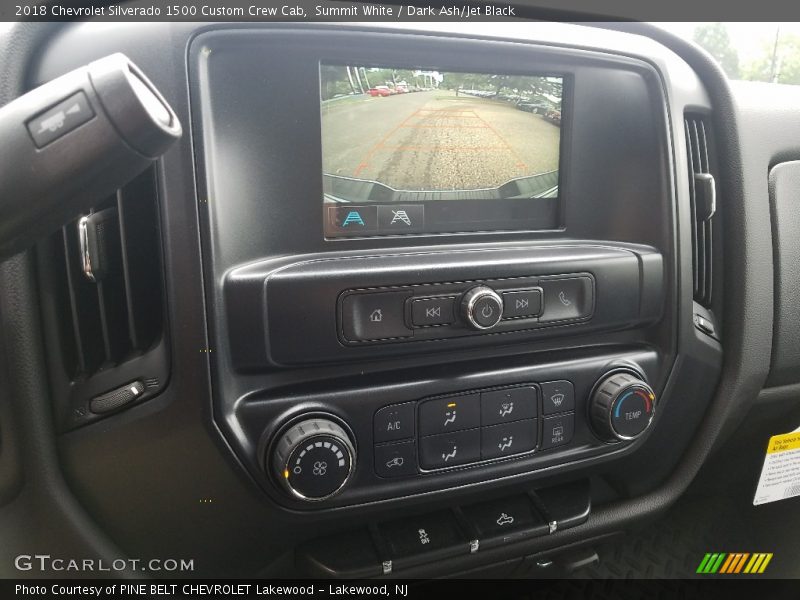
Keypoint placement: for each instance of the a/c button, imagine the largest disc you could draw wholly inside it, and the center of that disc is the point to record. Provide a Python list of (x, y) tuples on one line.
[(394, 422)]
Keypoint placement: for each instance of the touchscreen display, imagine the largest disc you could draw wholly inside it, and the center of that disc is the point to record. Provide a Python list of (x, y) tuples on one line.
[(427, 151)]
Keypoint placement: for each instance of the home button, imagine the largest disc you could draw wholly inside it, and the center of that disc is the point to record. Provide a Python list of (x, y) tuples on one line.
[(374, 316)]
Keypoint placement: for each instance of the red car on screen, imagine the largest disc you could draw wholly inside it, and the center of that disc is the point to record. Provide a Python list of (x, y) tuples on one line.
[(380, 90)]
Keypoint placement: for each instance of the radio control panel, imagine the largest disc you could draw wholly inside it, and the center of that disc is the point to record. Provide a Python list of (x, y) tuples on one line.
[(348, 307), (445, 310)]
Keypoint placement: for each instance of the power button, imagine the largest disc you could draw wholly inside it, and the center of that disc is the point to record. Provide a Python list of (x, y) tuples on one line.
[(482, 307)]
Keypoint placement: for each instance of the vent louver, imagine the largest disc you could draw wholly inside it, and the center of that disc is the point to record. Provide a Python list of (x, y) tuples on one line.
[(103, 301), (702, 189)]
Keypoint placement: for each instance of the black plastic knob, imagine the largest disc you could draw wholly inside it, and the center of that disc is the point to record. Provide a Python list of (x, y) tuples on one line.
[(314, 459), (622, 406), (482, 307)]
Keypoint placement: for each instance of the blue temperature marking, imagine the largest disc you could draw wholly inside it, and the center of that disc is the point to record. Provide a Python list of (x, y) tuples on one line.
[(619, 404)]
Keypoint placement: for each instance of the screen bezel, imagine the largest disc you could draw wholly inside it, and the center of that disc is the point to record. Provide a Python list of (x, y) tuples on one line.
[(567, 87)]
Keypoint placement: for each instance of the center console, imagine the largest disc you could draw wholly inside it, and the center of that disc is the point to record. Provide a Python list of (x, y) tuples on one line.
[(438, 267)]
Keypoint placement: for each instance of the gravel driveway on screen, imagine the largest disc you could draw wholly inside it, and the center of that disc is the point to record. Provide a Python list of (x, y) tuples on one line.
[(435, 141)]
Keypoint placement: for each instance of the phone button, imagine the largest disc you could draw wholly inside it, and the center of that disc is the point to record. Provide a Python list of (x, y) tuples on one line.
[(567, 298)]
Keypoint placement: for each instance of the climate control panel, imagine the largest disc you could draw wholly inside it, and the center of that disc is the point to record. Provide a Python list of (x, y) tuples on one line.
[(313, 456)]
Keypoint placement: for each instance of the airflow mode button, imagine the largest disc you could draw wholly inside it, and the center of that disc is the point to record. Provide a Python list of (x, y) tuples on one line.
[(449, 414)]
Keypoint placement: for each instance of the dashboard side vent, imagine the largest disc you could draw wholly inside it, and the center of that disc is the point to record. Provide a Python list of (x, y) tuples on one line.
[(103, 301), (702, 190)]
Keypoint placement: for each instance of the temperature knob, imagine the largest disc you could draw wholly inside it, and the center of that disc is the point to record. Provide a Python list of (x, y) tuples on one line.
[(482, 307), (314, 459), (622, 406)]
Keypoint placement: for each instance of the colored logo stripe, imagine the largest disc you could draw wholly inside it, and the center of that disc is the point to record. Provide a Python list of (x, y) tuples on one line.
[(711, 563), (734, 563), (758, 563)]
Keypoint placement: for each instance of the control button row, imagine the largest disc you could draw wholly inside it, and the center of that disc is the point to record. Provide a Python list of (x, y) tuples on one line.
[(469, 411), (395, 314), (366, 219), (495, 441), (486, 310), (419, 539)]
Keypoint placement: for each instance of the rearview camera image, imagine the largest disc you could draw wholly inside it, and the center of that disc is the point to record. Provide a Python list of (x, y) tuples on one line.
[(394, 136)]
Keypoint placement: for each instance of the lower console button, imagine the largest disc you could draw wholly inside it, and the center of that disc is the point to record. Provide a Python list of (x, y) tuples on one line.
[(396, 460), (505, 520), (448, 449), (351, 556), (558, 430), (568, 504), (414, 540), (508, 439)]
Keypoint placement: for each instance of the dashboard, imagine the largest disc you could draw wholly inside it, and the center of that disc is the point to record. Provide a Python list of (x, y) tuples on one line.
[(442, 296)]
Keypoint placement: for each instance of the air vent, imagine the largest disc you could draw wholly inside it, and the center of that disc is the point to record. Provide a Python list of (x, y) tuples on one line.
[(702, 190), (103, 301)]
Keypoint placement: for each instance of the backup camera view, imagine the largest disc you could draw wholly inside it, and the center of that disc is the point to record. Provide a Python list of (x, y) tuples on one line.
[(394, 136)]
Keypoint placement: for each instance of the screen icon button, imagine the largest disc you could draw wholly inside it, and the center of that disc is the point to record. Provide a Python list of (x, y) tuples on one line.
[(401, 218), (353, 219)]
